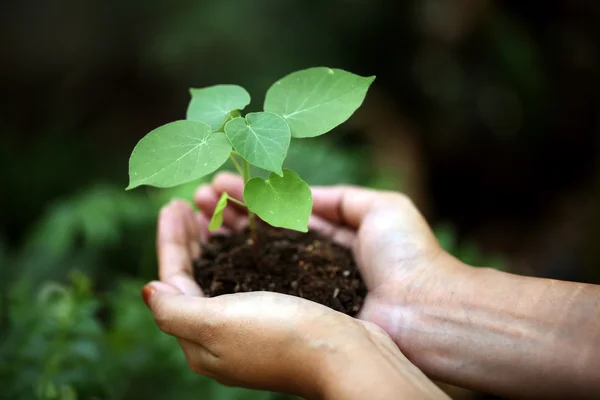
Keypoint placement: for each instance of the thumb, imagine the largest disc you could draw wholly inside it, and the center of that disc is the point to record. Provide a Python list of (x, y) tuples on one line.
[(177, 314), (345, 205), (156, 286), (393, 237)]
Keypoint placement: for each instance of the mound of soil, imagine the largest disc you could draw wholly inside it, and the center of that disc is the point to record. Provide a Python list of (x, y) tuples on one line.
[(306, 265)]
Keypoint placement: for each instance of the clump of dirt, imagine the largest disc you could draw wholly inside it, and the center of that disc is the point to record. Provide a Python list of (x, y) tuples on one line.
[(306, 265)]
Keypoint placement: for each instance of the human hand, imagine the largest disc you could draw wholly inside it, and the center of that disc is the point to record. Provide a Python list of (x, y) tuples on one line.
[(270, 341), (476, 328), (399, 258)]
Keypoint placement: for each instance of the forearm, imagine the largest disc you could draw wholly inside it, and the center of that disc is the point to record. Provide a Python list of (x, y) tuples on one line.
[(510, 335)]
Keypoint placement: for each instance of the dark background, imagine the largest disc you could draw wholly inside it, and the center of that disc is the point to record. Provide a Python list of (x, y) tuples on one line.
[(485, 112)]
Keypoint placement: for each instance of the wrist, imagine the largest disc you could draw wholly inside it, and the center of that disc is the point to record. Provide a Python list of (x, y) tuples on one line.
[(401, 306), (373, 367)]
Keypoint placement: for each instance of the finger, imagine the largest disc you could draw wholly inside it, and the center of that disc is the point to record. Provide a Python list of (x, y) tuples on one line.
[(199, 358), (339, 234), (207, 197), (202, 361), (179, 315), (173, 248), (335, 204), (230, 183), (192, 233), (202, 226), (343, 205)]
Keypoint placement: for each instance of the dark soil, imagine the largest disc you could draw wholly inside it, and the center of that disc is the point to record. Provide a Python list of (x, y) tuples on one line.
[(306, 265)]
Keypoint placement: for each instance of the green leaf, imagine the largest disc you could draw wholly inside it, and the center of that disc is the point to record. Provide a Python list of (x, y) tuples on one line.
[(316, 100), (213, 105), (217, 218), (176, 153), (284, 202), (261, 138)]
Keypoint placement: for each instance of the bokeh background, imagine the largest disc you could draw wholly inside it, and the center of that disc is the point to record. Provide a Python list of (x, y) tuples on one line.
[(485, 112)]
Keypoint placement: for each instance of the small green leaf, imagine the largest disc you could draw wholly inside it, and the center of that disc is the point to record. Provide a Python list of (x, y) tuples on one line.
[(316, 100), (217, 218), (213, 105), (176, 153), (261, 138), (284, 202)]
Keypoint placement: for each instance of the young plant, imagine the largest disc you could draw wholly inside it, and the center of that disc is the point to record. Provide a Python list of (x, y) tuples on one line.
[(303, 104)]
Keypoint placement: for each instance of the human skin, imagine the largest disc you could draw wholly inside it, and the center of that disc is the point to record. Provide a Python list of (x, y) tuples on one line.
[(478, 328), (270, 341)]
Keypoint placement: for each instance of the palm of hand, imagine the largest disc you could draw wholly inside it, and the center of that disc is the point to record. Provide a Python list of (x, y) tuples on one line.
[(393, 245), (216, 343)]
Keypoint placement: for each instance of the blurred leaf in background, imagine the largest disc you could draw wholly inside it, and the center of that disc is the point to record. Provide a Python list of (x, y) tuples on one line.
[(71, 342)]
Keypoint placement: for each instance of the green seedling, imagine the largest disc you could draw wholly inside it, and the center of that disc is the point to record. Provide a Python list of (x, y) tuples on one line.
[(303, 104)]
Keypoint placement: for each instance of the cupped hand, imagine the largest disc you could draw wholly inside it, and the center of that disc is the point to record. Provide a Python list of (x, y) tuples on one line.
[(398, 255), (264, 340)]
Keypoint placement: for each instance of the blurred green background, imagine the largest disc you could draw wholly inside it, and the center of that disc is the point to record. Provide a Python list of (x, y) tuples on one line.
[(485, 112)]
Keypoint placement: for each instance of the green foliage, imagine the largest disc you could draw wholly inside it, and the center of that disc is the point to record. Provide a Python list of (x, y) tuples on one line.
[(280, 201), (217, 218), (316, 100), (261, 138), (67, 342), (177, 153), (303, 104), (214, 105), (75, 231)]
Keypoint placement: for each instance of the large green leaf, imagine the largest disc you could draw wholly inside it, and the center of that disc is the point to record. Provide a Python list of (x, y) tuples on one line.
[(213, 105), (177, 153), (261, 138), (284, 202), (316, 100), (217, 218)]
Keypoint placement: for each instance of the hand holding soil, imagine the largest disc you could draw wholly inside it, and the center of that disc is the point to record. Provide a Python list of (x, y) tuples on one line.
[(268, 340), (476, 328), (381, 231)]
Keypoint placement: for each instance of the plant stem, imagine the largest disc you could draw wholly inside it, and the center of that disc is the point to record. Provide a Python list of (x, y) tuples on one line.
[(251, 216), (236, 164), (236, 201)]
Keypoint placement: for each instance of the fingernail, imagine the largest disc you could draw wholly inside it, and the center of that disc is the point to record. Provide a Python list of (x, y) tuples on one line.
[(147, 292)]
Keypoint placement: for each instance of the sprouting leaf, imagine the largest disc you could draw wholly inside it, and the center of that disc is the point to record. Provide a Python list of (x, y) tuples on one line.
[(316, 100), (217, 218), (213, 105), (176, 153), (261, 138), (284, 202)]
